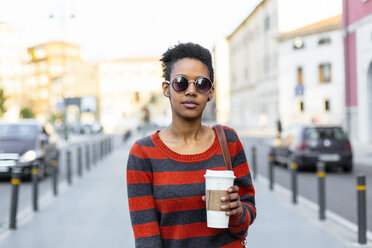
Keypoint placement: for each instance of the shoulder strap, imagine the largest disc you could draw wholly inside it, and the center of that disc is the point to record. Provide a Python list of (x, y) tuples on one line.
[(223, 145)]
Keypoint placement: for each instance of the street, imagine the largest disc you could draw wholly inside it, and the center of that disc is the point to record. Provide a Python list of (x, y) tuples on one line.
[(340, 187), (45, 185)]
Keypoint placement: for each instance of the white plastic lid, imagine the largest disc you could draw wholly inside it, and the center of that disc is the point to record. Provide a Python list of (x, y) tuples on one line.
[(219, 173)]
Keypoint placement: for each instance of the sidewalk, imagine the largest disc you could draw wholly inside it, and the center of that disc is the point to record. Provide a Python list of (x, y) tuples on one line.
[(93, 212)]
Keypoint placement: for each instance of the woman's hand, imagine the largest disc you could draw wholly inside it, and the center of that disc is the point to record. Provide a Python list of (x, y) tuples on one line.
[(235, 206)]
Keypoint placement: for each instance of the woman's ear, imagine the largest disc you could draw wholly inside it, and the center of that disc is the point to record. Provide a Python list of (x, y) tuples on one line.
[(166, 89), (210, 94)]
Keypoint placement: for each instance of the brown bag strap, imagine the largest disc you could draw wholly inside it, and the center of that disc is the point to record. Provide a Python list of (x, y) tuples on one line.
[(223, 145)]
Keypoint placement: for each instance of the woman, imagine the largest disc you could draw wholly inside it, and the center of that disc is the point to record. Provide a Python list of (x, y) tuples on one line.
[(165, 170)]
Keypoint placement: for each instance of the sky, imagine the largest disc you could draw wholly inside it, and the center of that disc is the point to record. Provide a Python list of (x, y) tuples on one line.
[(123, 28), (108, 29)]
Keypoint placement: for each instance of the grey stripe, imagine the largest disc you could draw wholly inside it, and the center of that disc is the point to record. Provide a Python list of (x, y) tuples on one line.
[(183, 217), (251, 213), (135, 163), (143, 216), (239, 234), (244, 181), (146, 141), (239, 158), (166, 165), (162, 192), (231, 135), (219, 240), (139, 189), (149, 242)]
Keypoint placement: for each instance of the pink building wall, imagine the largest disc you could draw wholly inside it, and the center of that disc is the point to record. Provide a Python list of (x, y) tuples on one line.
[(353, 11), (356, 10), (350, 72)]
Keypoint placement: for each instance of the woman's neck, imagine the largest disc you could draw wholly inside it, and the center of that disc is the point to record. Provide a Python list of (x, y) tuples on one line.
[(186, 130)]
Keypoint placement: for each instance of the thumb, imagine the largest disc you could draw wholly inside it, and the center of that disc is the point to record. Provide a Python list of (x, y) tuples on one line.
[(203, 198)]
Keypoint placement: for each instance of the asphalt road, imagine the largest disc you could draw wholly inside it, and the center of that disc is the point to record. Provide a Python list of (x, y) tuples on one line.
[(341, 194)]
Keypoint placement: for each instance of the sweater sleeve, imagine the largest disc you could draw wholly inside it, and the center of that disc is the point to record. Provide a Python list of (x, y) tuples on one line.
[(142, 208), (238, 225)]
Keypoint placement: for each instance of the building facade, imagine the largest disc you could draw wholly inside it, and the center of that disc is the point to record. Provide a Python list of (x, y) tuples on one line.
[(13, 58), (253, 69), (311, 74), (131, 93), (50, 75), (357, 25)]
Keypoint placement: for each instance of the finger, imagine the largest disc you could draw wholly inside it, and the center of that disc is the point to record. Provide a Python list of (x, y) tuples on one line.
[(203, 198), (234, 212), (230, 197), (233, 188), (231, 205)]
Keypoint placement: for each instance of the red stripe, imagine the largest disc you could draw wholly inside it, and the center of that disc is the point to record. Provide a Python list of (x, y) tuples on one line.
[(181, 177), (141, 203), (188, 231), (180, 204), (246, 190), (146, 230), (241, 170), (146, 152), (235, 244), (135, 176)]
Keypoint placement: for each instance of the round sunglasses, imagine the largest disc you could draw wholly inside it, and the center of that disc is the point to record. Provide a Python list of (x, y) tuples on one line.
[(180, 84)]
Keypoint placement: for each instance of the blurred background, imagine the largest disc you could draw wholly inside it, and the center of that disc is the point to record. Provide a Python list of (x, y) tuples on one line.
[(293, 77)]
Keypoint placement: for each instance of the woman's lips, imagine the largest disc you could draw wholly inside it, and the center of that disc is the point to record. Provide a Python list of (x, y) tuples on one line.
[(190, 104)]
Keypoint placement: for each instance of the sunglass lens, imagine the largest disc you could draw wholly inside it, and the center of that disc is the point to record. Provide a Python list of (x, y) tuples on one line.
[(204, 85), (180, 84)]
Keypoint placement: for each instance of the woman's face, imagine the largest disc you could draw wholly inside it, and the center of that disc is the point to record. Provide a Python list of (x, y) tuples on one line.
[(189, 104)]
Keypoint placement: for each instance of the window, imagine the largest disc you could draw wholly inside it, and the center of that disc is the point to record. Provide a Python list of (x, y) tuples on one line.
[(301, 106), (298, 43), (327, 105), (325, 73), (299, 75), (324, 41)]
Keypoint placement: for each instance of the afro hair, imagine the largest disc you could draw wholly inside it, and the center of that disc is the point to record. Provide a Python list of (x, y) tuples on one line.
[(185, 50)]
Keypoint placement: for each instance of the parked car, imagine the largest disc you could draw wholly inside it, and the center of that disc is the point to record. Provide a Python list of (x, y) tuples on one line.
[(24, 144), (306, 144)]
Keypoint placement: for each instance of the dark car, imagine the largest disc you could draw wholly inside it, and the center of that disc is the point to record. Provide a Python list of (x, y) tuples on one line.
[(307, 144), (25, 144)]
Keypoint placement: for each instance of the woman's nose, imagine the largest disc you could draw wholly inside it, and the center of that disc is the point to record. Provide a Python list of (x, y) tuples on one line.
[(191, 89)]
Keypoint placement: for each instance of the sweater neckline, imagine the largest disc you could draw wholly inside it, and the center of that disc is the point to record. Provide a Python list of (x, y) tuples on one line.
[(186, 158)]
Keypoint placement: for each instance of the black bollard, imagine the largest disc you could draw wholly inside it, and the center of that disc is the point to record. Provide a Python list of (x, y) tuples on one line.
[(15, 181), (35, 186), (101, 151), (95, 157), (362, 209), (294, 168), (271, 170), (321, 189), (69, 172), (80, 162), (54, 164), (87, 157), (254, 168)]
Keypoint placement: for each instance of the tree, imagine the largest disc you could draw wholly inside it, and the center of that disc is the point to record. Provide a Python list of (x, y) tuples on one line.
[(3, 99), (26, 113)]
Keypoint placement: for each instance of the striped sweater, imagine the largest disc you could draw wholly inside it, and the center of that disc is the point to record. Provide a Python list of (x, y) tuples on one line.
[(165, 190)]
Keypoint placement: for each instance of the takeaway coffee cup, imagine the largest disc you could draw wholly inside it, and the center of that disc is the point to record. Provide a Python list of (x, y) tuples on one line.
[(216, 185)]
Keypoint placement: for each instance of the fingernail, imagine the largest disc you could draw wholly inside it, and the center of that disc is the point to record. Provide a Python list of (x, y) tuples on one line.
[(223, 207), (223, 198)]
